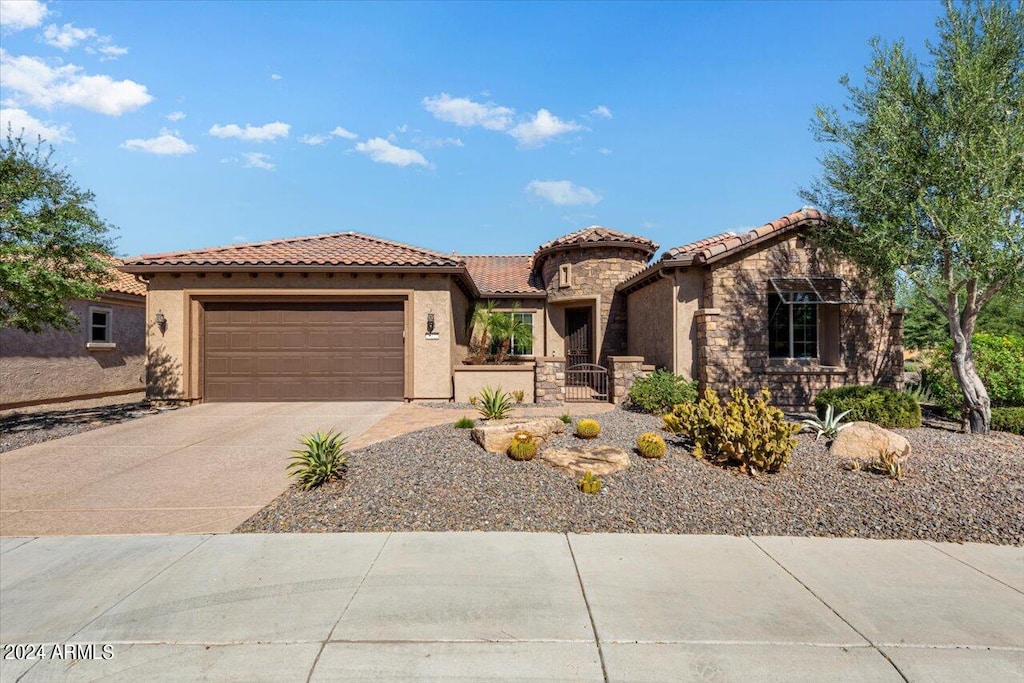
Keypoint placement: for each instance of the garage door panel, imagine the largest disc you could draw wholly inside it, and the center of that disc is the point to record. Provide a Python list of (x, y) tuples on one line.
[(304, 351)]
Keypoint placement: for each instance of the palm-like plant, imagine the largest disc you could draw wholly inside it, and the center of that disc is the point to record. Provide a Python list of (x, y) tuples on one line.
[(505, 327), (483, 320), (321, 459), (827, 426)]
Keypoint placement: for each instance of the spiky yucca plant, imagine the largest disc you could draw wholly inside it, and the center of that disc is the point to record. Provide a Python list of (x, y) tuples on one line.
[(321, 459), (494, 404), (651, 445), (829, 425), (588, 429), (522, 446)]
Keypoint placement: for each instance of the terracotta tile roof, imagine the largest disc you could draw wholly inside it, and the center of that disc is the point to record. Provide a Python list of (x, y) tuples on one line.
[(337, 249), (503, 274), (695, 247), (596, 234), (122, 283), (724, 244)]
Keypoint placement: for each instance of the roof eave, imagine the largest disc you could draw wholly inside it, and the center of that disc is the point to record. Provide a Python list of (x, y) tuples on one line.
[(803, 223), (652, 274), (650, 249), (137, 268)]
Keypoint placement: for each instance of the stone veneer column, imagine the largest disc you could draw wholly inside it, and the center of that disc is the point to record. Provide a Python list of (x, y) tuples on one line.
[(622, 372), (709, 342), (549, 380)]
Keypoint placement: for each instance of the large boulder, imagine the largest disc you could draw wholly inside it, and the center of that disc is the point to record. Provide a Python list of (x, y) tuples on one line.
[(495, 435), (866, 441), (578, 460)]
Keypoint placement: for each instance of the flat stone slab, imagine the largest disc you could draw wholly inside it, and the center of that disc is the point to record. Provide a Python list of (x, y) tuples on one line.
[(494, 436), (866, 441), (599, 459)]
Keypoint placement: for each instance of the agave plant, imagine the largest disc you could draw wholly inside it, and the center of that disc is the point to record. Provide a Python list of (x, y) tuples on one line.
[(494, 404), (321, 459), (828, 426)]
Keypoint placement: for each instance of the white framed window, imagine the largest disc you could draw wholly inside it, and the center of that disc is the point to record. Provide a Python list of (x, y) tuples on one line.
[(793, 326), (523, 348), (99, 327)]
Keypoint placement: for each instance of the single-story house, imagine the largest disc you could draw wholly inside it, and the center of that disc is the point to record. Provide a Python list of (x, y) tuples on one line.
[(347, 316), (104, 355)]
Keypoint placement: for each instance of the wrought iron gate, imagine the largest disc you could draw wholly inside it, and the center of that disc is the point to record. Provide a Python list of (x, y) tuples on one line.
[(586, 382)]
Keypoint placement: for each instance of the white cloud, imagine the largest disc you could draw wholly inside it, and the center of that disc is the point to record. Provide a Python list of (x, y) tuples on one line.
[(67, 36), (276, 77), (264, 133), (258, 160), (602, 111), (34, 82), (340, 132), (383, 152), (175, 116), (314, 139), (20, 122), (604, 150), (16, 15), (562, 192), (110, 51), (543, 127), (168, 143), (465, 112), (433, 143)]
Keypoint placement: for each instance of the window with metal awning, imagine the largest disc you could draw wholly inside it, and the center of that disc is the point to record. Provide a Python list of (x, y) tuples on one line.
[(814, 290)]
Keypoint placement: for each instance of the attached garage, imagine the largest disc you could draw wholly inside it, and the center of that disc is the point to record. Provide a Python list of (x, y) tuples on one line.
[(304, 351)]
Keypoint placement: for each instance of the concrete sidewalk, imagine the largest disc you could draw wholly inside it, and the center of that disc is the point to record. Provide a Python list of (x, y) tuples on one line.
[(502, 606)]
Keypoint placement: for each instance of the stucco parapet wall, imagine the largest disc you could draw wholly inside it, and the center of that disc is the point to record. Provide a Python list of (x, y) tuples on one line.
[(518, 367)]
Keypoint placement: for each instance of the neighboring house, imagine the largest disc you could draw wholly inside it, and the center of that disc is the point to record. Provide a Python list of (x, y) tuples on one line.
[(348, 316), (104, 355)]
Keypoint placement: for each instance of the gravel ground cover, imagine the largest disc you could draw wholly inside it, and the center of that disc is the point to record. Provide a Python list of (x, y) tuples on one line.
[(956, 488), (21, 429)]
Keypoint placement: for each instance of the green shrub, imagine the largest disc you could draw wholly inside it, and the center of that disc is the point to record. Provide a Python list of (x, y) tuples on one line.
[(1000, 364), (651, 445), (885, 407), (494, 404), (321, 459), (659, 391), (522, 446), (749, 432), (589, 483), (564, 417), (465, 423), (1008, 419), (588, 429)]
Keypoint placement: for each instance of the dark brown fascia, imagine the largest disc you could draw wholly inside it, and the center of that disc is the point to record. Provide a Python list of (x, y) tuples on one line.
[(653, 273), (462, 278), (513, 295)]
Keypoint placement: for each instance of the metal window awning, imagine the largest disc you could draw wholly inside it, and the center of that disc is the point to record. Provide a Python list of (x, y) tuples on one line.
[(814, 290)]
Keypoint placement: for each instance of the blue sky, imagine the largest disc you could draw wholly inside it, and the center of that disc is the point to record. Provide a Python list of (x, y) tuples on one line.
[(481, 128)]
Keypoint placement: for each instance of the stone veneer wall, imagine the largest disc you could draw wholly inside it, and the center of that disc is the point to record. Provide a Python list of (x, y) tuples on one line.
[(549, 380), (596, 271), (732, 329), (622, 372)]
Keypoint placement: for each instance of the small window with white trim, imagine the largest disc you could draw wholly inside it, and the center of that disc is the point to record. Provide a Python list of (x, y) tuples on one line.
[(100, 325)]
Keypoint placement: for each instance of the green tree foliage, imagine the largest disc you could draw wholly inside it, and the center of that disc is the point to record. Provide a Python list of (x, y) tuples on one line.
[(924, 173), (53, 245), (925, 328)]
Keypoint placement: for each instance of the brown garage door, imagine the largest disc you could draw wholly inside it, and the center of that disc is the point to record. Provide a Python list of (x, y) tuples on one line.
[(304, 351)]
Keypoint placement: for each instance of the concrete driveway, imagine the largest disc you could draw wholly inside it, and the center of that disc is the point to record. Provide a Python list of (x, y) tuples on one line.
[(202, 469)]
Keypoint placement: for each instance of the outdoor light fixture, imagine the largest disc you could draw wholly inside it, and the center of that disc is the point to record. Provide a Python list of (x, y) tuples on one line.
[(430, 323), (161, 321)]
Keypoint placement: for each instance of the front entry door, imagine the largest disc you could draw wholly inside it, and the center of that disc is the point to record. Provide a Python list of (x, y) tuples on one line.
[(578, 336)]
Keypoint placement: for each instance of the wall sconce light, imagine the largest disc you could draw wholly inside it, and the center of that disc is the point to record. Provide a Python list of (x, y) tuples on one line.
[(161, 321), (430, 323)]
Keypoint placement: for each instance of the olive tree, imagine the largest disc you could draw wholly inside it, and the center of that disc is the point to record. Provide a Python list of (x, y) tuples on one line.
[(53, 245), (924, 172)]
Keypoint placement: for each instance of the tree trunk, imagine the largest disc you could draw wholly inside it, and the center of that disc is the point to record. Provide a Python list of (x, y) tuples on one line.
[(977, 406)]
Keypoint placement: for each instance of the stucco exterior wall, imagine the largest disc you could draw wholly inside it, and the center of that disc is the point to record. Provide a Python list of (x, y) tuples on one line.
[(471, 379), (596, 271), (56, 365), (175, 369), (733, 329), (689, 292), (651, 332)]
